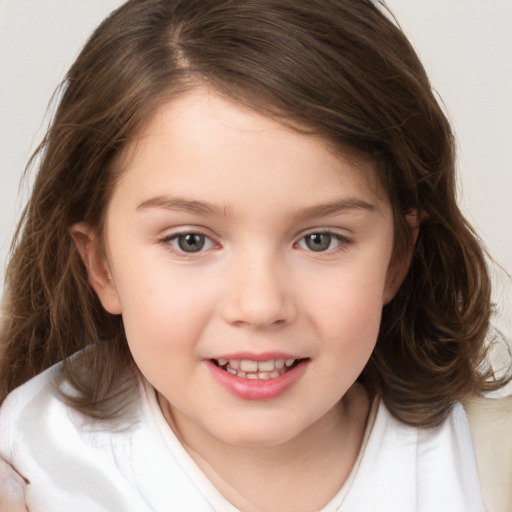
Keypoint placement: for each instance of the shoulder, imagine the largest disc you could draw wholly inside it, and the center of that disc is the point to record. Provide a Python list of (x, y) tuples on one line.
[(74, 462), (405, 467), (68, 459), (22, 405), (33, 412), (19, 422)]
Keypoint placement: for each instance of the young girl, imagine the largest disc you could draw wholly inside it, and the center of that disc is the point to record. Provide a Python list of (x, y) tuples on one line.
[(242, 281)]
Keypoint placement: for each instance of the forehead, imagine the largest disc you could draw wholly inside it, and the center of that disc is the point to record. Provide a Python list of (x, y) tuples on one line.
[(202, 138)]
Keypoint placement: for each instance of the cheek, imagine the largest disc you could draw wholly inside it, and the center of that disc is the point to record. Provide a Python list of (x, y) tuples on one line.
[(353, 322), (162, 311), (348, 310), (351, 327), (163, 334), (353, 294)]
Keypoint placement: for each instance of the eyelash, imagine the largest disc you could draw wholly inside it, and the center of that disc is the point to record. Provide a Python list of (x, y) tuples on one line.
[(169, 241), (172, 242), (342, 242)]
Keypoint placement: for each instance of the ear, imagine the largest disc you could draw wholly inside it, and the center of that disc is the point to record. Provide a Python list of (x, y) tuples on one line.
[(96, 264), (400, 264)]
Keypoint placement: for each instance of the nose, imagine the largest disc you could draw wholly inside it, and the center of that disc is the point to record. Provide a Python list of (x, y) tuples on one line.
[(259, 293)]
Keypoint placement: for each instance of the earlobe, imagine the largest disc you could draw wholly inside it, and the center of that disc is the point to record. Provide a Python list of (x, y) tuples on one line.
[(96, 264), (400, 264)]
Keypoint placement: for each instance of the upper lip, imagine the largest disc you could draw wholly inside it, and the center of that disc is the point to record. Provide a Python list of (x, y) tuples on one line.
[(262, 356)]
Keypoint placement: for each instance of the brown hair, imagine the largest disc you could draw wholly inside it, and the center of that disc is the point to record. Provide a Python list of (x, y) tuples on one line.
[(340, 68)]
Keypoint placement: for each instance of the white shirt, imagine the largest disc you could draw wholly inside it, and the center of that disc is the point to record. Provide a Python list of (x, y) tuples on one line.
[(72, 463)]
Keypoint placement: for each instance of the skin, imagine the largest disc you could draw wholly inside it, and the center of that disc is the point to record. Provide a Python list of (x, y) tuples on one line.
[(255, 189)]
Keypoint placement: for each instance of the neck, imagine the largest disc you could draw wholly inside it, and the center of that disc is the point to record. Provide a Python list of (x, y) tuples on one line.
[(302, 474)]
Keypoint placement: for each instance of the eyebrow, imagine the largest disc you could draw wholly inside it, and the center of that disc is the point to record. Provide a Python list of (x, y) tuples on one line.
[(337, 207), (182, 204), (205, 208)]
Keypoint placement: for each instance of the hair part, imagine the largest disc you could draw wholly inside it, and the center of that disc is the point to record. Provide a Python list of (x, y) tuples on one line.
[(337, 69)]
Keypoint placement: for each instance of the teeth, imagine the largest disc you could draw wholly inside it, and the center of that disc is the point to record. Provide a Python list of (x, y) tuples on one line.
[(248, 366), (256, 370), (266, 366)]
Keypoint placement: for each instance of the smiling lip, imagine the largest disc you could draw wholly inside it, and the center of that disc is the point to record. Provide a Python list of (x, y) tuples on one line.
[(257, 376)]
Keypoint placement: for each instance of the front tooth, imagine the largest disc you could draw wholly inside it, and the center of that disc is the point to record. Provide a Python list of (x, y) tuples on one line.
[(266, 366), (248, 366), (251, 376), (289, 362)]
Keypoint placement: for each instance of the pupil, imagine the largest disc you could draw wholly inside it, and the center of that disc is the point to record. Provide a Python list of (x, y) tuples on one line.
[(318, 241), (191, 242)]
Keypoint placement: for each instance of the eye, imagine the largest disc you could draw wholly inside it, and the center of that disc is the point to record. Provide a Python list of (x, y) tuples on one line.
[(189, 242), (321, 241)]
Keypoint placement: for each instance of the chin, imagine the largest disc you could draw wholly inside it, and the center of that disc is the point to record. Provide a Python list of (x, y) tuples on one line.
[(259, 433)]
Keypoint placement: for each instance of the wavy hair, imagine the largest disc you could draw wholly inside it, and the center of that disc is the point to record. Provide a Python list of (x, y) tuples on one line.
[(342, 70)]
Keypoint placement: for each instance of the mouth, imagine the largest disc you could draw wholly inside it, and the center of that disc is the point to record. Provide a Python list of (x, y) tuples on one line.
[(258, 376), (256, 370)]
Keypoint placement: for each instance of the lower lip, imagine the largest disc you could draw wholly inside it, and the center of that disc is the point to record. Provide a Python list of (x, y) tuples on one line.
[(258, 389)]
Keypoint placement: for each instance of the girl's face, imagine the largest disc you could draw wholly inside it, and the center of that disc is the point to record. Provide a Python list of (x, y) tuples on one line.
[(250, 265)]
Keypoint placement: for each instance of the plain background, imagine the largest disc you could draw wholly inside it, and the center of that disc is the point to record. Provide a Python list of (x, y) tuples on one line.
[(465, 45)]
